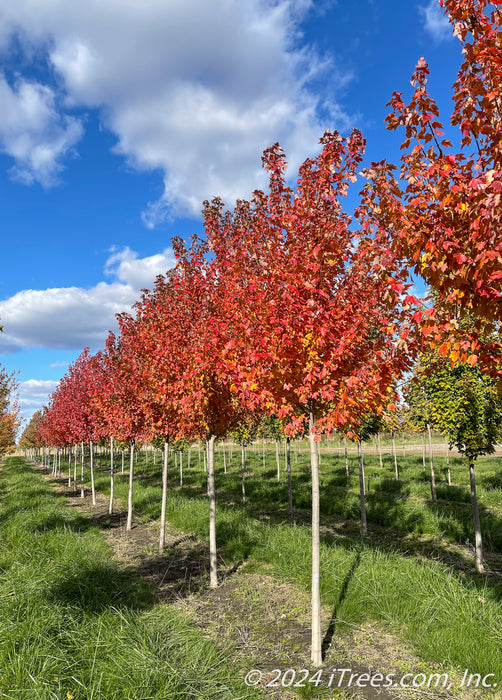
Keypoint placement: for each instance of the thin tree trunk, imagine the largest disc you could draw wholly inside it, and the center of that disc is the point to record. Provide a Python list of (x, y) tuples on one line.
[(423, 451), (243, 473), (290, 488), (379, 451), (316, 650), (277, 460), (75, 470), (205, 462), (69, 465), (112, 478), (131, 481), (165, 463), (433, 475), (91, 462), (448, 463), (477, 522), (181, 468), (346, 456), (213, 574), (82, 486), (364, 524), (396, 470)]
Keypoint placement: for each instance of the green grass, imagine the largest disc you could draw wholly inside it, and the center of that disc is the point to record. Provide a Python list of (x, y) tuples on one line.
[(73, 625), (448, 613)]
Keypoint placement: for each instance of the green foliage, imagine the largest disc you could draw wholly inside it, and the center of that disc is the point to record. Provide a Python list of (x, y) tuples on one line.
[(372, 425), (270, 428), (246, 431), (462, 402)]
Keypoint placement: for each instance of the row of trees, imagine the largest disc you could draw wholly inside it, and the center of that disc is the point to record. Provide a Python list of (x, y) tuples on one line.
[(285, 309), (9, 414)]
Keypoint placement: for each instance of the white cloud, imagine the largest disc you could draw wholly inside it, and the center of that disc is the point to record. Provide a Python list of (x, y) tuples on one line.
[(36, 388), (73, 317), (436, 21), (33, 133), (33, 394), (194, 89), (138, 273)]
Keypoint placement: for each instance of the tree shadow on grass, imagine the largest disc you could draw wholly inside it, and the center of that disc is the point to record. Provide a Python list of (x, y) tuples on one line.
[(178, 573), (96, 588), (386, 506), (328, 637), (456, 522), (55, 521)]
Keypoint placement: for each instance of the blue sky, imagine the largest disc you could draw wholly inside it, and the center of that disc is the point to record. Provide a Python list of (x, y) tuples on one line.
[(119, 117)]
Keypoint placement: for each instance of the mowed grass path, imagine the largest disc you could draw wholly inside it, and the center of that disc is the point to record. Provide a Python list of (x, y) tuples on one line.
[(74, 626), (449, 614)]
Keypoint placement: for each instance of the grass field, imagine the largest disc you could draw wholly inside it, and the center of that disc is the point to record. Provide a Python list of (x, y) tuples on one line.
[(74, 626), (414, 575)]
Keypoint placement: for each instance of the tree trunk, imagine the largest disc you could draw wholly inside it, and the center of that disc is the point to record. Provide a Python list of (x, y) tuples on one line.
[(423, 452), (277, 460), (364, 524), (477, 522), (112, 479), (379, 451), (448, 463), (316, 650), (224, 459), (91, 462), (131, 480), (243, 473), (433, 475), (69, 465), (165, 462), (213, 574), (346, 456), (75, 470), (396, 470), (181, 468), (82, 487), (290, 488)]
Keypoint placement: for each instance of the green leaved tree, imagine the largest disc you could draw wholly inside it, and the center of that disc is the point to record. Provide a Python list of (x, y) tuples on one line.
[(467, 408)]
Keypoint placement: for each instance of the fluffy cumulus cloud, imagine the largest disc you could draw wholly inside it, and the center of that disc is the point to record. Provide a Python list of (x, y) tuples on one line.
[(195, 90), (33, 133), (436, 21), (73, 317)]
